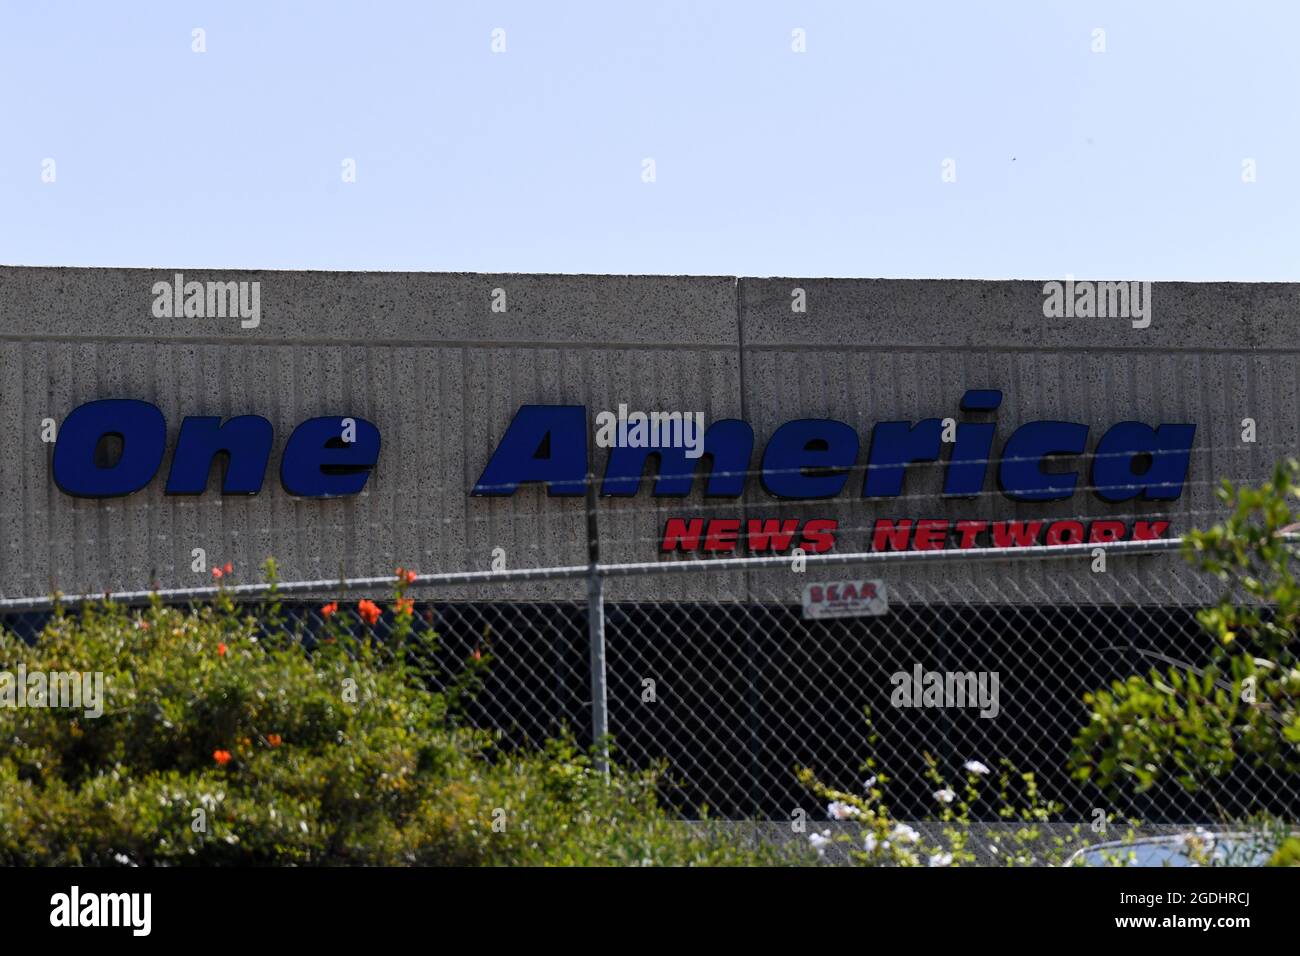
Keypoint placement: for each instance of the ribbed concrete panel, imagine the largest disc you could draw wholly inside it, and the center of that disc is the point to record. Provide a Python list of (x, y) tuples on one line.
[(875, 350), (423, 356), (536, 530)]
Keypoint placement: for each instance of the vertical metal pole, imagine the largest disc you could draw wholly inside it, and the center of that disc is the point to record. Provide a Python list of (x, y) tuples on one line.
[(942, 625), (751, 707), (596, 634)]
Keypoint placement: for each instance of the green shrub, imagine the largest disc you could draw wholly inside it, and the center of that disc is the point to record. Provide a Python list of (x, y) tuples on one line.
[(225, 741), (1194, 723)]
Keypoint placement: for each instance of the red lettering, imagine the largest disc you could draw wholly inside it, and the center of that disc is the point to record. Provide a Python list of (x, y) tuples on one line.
[(931, 534), (722, 535), (969, 529), (1103, 531), (887, 533), (1017, 534), (1065, 532), (771, 535), (819, 535), (680, 536), (1149, 530)]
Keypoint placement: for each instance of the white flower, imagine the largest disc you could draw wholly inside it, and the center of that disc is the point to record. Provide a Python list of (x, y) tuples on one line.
[(1201, 840), (941, 859), (842, 811), (820, 841), (869, 783), (123, 859), (974, 766), (945, 795), (905, 834), (870, 844)]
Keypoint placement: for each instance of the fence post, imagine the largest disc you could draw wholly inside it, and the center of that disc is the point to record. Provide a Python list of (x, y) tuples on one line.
[(596, 634)]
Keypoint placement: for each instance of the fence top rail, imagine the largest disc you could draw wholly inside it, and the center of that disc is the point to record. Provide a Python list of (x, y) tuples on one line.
[(581, 571)]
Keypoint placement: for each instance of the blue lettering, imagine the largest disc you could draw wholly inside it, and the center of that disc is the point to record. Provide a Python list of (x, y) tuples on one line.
[(1021, 474), (245, 440), (822, 444), (317, 463), (543, 443), (970, 453), (812, 458), (728, 446), (1170, 451), (142, 431), (894, 446)]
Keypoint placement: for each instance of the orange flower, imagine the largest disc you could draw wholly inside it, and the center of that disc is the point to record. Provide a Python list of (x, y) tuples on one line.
[(221, 650), (221, 756), (477, 655), (229, 568), (329, 609), (405, 606), (406, 576), (216, 574), (369, 612), (273, 740)]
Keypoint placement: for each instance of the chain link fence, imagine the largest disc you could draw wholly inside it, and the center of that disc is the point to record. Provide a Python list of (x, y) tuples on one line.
[(732, 696)]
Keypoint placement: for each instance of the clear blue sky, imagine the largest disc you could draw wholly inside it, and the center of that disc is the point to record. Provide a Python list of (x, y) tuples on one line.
[(1124, 164)]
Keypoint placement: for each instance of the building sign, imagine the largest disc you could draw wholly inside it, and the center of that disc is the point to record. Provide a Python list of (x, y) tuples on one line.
[(816, 535), (323, 458), (856, 598), (805, 459), (814, 458)]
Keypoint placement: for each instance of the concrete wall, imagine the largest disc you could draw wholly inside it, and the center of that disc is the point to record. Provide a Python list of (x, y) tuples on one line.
[(426, 359), (876, 350)]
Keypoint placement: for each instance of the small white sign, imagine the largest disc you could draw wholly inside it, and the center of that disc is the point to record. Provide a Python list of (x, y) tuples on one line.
[(855, 598)]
